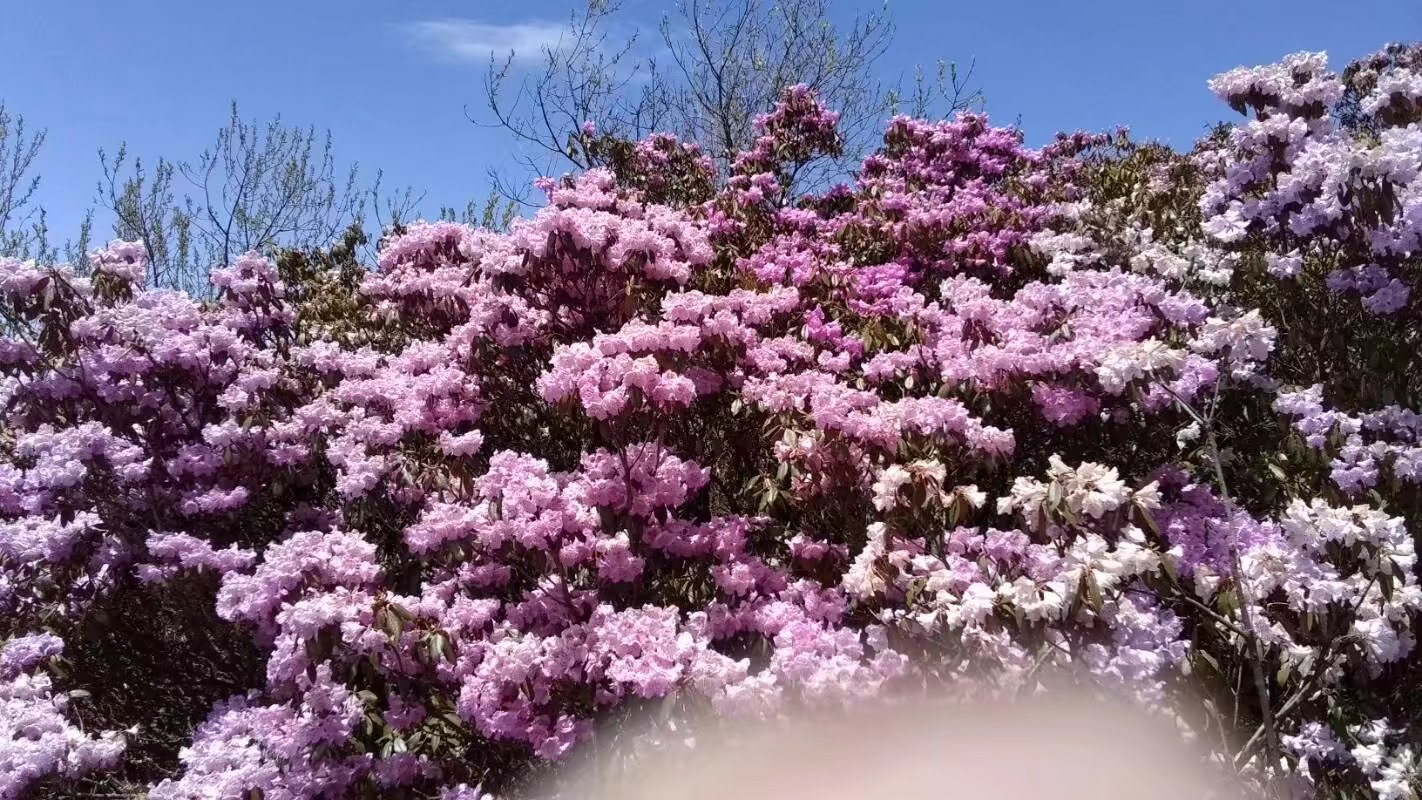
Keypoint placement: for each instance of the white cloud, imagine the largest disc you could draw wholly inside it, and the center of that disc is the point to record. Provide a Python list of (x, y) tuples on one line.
[(471, 40)]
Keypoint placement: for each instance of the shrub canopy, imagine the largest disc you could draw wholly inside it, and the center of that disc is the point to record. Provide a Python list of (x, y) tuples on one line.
[(989, 416)]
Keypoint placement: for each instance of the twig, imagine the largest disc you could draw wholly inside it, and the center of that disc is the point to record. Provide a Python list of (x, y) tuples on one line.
[(1254, 645)]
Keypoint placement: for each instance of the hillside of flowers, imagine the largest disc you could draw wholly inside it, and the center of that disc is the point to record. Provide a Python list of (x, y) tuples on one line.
[(982, 419)]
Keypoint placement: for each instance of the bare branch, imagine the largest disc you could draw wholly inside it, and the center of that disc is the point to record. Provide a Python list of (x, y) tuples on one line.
[(722, 63), (19, 232), (259, 187)]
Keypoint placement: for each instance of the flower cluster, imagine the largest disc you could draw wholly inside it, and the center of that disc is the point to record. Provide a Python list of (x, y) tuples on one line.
[(36, 738)]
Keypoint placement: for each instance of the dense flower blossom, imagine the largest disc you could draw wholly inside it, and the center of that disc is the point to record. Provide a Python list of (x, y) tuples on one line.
[(668, 445)]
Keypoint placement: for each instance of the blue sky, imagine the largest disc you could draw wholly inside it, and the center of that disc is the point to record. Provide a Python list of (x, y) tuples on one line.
[(160, 74)]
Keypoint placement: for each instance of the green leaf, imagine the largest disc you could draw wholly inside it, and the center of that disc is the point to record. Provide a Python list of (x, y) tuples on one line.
[(1054, 494), (1227, 603), (1147, 521), (393, 624), (1093, 591), (1385, 582), (1171, 570), (915, 590), (438, 647)]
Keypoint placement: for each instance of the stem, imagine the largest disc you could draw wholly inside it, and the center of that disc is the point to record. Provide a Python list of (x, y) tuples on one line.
[(1254, 646)]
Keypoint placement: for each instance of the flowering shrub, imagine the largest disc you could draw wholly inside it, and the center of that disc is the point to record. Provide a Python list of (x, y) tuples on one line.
[(988, 417)]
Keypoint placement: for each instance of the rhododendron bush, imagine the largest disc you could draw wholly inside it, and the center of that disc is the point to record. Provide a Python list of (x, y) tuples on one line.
[(983, 419)]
